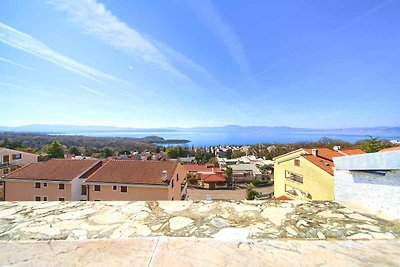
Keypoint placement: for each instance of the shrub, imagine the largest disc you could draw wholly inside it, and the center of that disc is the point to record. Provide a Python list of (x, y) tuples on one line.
[(251, 194)]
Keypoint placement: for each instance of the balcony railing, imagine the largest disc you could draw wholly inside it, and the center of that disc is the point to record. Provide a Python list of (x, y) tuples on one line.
[(7, 164)]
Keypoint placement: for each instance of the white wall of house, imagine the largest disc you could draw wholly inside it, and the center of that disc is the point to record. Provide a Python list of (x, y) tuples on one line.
[(76, 189), (370, 179)]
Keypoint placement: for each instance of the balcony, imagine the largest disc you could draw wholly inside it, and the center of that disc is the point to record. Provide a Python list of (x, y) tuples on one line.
[(7, 164)]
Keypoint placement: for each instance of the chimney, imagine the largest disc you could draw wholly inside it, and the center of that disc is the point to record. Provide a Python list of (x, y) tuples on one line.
[(314, 151), (336, 148), (164, 176)]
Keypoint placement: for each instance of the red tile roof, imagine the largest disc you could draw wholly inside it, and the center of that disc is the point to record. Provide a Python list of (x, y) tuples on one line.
[(324, 158), (134, 172), (390, 149), (326, 165), (200, 168), (55, 169), (281, 198), (212, 178)]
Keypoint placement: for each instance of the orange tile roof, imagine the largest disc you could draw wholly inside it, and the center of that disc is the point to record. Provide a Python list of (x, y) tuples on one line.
[(325, 153), (281, 198), (134, 172), (200, 168), (55, 169), (326, 165), (212, 178), (390, 149), (324, 158)]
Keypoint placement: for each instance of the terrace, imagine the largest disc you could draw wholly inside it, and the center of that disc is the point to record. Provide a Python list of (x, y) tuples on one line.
[(148, 232)]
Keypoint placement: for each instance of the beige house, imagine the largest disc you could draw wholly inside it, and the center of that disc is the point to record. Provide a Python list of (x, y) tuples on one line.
[(138, 180), (307, 174), (56, 179), (11, 160)]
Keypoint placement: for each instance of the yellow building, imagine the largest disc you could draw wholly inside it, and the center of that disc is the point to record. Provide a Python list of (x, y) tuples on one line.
[(307, 173)]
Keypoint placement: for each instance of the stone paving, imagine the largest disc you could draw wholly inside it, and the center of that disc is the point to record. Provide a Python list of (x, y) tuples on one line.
[(221, 220), (167, 251)]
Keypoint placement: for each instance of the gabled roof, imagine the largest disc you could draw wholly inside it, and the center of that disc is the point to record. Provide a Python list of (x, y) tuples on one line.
[(324, 158), (390, 149), (212, 177), (200, 168), (54, 169), (134, 172), (326, 165)]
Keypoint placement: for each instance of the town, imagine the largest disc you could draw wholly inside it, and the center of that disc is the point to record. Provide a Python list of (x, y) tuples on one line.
[(214, 173)]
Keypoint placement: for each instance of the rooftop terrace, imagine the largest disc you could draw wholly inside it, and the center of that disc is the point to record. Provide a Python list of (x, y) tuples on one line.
[(147, 232)]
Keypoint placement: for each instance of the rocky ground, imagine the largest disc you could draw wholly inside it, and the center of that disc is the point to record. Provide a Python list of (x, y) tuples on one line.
[(221, 220)]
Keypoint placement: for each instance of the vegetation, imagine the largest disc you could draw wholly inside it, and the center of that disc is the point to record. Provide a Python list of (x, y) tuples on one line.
[(228, 173), (270, 151), (261, 183), (75, 151), (373, 144), (89, 146), (251, 194), (177, 152), (55, 151)]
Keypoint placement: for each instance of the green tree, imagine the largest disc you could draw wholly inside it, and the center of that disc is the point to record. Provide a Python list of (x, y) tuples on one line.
[(172, 153), (373, 144), (75, 151), (251, 194), (228, 154), (228, 173), (107, 153), (55, 150)]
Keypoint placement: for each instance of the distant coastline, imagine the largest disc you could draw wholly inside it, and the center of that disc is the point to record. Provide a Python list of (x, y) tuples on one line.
[(213, 136)]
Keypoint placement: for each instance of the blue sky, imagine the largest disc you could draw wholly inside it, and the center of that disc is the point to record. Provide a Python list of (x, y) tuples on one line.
[(142, 63)]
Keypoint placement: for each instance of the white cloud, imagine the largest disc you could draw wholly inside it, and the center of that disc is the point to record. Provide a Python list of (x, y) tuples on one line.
[(29, 44), (15, 63), (96, 20), (94, 91), (209, 15)]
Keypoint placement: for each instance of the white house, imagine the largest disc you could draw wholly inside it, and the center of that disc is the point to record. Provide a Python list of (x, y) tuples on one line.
[(370, 179)]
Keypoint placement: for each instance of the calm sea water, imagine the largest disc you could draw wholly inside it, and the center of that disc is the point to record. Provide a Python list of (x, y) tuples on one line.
[(210, 138)]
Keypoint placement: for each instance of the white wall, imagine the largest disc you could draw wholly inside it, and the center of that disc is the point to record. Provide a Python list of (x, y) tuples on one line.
[(371, 190), (76, 189)]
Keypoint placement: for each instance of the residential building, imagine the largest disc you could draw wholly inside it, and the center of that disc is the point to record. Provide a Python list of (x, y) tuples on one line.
[(307, 173), (212, 181), (11, 160), (199, 169), (138, 180), (56, 179), (370, 179), (245, 172), (187, 160)]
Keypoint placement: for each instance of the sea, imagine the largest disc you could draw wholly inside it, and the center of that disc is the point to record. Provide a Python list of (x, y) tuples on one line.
[(248, 137)]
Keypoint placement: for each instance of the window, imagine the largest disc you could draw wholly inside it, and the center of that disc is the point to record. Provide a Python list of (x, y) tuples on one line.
[(5, 171), (172, 198), (294, 177), (115, 188), (97, 188), (297, 162), (177, 177), (6, 159), (44, 184), (37, 185), (172, 183), (13, 156), (18, 156), (44, 198), (61, 186), (61, 199), (124, 189), (83, 190), (37, 198)]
